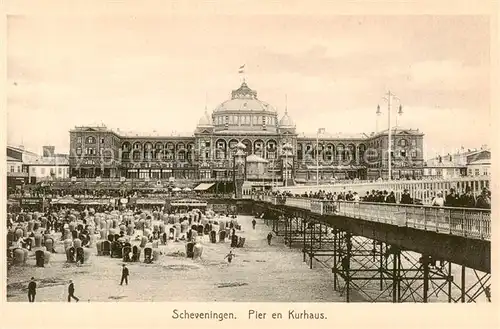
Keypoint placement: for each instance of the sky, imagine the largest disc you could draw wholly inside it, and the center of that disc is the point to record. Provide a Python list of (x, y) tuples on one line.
[(157, 73)]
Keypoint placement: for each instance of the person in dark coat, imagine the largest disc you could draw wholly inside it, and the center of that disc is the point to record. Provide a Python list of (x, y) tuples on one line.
[(32, 290), (125, 275), (269, 237), (391, 198), (71, 292), (452, 199), (467, 200), (406, 198), (483, 200), (253, 223)]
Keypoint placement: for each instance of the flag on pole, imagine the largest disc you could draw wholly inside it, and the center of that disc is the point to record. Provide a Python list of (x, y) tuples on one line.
[(321, 130), (242, 69)]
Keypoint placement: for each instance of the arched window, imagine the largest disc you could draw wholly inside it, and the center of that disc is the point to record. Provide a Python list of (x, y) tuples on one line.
[(351, 152), (126, 148), (271, 147), (328, 154), (361, 151), (220, 149), (259, 148), (340, 152), (299, 151), (148, 151), (90, 140)]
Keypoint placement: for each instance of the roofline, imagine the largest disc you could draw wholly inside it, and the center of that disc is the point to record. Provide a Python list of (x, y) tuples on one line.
[(48, 164)]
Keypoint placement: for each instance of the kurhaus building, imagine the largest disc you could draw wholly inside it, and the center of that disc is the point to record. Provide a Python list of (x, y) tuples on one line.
[(207, 154)]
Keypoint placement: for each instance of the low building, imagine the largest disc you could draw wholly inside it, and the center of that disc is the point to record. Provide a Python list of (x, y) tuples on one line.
[(16, 173), (480, 167), (460, 164), (45, 169)]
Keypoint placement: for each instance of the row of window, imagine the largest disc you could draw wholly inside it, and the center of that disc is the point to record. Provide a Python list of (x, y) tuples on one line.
[(43, 170), (477, 171), (88, 151), (90, 140), (15, 169), (245, 120), (402, 142)]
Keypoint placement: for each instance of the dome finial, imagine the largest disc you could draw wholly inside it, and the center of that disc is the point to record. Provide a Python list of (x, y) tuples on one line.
[(286, 104), (206, 98)]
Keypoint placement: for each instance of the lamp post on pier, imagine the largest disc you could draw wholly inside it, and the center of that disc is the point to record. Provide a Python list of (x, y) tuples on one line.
[(286, 149), (320, 131), (389, 97)]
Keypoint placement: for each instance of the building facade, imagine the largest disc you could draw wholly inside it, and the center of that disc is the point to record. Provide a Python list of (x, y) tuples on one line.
[(460, 164), (47, 169), (25, 167), (207, 154)]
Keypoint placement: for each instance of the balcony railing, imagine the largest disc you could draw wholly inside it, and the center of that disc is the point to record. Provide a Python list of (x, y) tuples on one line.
[(467, 222)]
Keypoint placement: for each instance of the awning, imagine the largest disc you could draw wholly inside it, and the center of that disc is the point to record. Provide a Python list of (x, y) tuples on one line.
[(204, 186), (94, 202), (150, 201), (184, 203), (66, 200)]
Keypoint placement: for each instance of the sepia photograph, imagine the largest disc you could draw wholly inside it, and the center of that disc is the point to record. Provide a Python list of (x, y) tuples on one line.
[(248, 158)]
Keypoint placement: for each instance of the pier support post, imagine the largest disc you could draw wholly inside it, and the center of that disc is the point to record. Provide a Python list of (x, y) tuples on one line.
[(381, 265), (462, 285), (311, 254), (346, 264), (304, 227), (425, 265), (335, 255)]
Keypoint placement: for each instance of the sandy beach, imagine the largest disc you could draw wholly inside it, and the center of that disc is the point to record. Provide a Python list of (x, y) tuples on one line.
[(258, 273)]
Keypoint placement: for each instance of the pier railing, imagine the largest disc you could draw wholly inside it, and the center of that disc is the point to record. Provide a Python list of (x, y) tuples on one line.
[(424, 190), (467, 222)]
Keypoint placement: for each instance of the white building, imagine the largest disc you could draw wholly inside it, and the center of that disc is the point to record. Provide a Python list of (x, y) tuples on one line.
[(47, 169), (480, 167), (464, 163)]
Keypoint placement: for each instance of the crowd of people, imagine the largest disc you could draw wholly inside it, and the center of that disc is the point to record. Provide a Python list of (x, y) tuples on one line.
[(452, 199)]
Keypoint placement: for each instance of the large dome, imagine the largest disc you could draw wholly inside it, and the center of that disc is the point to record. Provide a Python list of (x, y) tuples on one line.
[(245, 113), (244, 99)]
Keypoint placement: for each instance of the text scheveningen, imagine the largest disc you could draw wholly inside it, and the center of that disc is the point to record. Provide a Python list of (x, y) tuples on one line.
[(185, 315)]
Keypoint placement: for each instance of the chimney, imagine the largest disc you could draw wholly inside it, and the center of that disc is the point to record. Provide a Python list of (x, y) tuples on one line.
[(48, 151)]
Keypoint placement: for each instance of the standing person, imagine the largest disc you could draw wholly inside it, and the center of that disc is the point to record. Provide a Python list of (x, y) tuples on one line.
[(484, 200), (391, 198), (467, 199), (253, 223), (125, 275), (31, 290), (269, 237), (451, 199), (71, 292), (438, 201), (406, 198), (229, 256)]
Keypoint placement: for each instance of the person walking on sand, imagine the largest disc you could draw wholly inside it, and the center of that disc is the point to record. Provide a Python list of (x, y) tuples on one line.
[(124, 275), (229, 256), (31, 290), (269, 237), (253, 223), (71, 292)]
